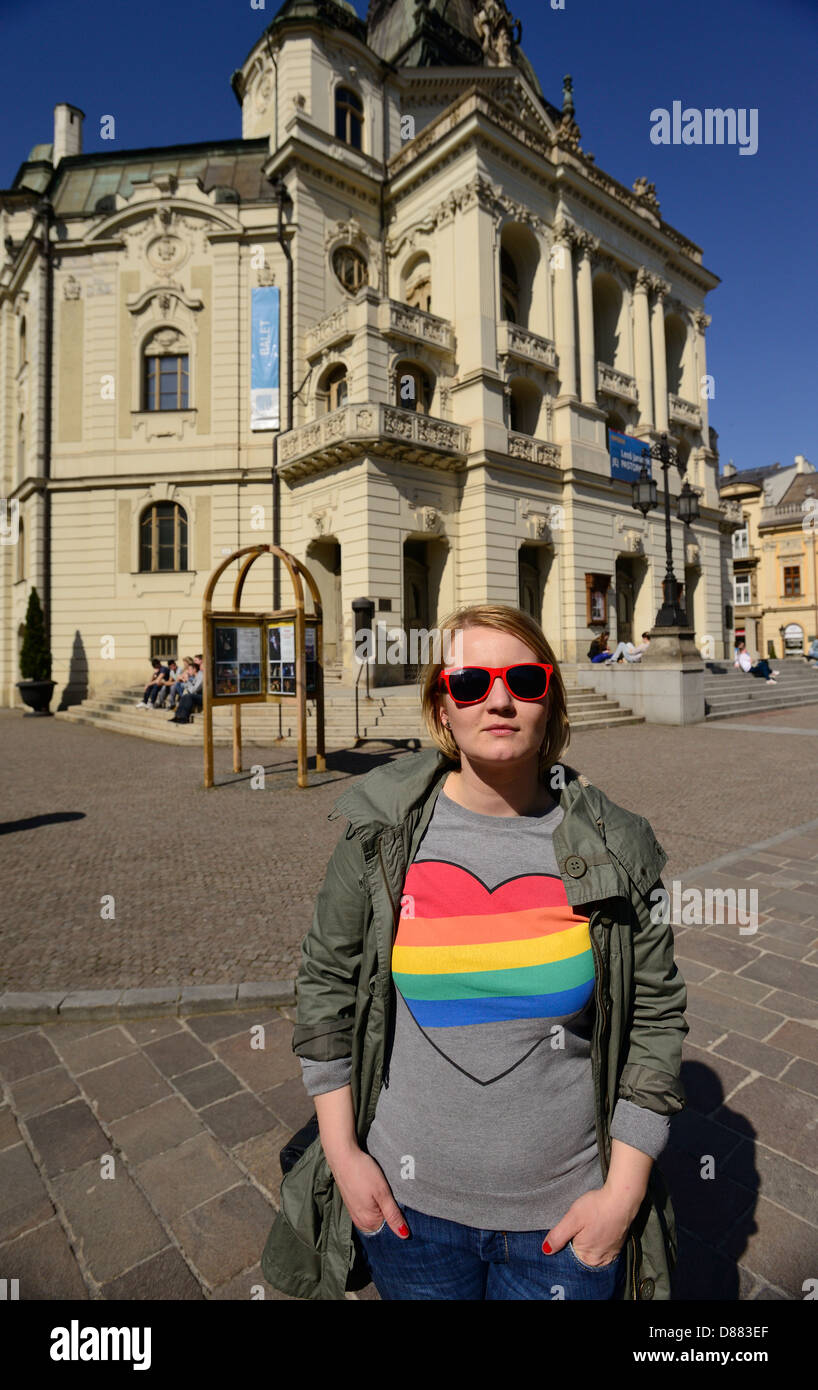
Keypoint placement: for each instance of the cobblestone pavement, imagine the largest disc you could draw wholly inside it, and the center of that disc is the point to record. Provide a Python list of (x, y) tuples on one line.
[(218, 887)]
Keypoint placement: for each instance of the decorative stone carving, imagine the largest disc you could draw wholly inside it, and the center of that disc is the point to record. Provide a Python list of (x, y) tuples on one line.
[(166, 254), (71, 288), (693, 554), (431, 519), (646, 193), (702, 320), (497, 32), (265, 275), (263, 92), (586, 243)]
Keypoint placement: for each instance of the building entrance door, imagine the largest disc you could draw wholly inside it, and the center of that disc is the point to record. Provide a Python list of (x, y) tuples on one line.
[(415, 596), (625, 584)]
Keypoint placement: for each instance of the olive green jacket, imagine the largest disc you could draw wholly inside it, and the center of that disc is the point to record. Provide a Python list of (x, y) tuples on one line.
[(609, 862)]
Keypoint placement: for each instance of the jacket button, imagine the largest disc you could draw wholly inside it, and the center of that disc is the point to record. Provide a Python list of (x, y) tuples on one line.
[(575, 866), (646, 1287)]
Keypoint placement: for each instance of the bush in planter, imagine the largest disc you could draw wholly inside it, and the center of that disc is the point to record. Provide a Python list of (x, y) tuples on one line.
[(35, 658)]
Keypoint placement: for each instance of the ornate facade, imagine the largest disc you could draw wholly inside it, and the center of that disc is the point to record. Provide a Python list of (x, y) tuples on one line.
[(468, 306)]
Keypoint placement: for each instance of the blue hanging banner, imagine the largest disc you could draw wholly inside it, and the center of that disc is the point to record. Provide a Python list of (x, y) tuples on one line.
[(626, 457), (264, 384)]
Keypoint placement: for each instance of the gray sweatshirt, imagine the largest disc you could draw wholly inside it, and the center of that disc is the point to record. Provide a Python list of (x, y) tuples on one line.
[(488, 1115)]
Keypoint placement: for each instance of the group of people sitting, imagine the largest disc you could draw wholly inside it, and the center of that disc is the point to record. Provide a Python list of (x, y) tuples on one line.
[(744, 662), (175, 689), (625, 651)]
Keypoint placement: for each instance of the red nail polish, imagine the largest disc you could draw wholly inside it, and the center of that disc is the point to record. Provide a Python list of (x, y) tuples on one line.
[(403, 1230), (547, 1248)]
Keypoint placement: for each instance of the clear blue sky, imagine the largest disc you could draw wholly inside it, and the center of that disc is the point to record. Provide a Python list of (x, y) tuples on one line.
[(162, 67)]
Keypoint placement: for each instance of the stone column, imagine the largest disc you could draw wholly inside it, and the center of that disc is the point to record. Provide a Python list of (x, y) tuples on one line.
[(564, 337), (585, 306), (641, 349), (702, 322), (661, 288)]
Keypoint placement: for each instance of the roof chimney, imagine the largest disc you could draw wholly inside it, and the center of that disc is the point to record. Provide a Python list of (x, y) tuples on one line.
[(729, 470), (802, 465), (67, 131)]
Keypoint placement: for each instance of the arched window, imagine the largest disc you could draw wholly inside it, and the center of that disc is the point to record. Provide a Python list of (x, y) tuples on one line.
[(417, 283), (349, 117), (163, 537), (413, 388), (22, 343), (510, 287), (350, 267), (334, 391), (165, 372), (21, 448), (607, 303), (523, 406)]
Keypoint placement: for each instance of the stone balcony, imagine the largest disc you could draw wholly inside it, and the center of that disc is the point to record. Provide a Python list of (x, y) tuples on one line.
[(685, 412), (515, 341), (525, 446), (415, 325), (611, 382), (372, 427), (329, 332)]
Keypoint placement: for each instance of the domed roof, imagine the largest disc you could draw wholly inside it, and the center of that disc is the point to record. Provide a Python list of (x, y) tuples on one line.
[(338, 12)]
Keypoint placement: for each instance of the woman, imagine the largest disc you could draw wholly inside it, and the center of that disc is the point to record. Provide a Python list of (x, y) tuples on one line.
[(761, 669), (490, 1018), (598, 650)]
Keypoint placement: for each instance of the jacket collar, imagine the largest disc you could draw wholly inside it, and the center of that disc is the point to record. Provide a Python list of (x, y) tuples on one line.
[(599, 845)]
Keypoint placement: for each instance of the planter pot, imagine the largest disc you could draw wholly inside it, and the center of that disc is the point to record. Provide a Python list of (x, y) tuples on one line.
[(37, 694)]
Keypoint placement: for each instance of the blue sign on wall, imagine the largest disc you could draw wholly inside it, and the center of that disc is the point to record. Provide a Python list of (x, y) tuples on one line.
[(264, 385), (626, 457)]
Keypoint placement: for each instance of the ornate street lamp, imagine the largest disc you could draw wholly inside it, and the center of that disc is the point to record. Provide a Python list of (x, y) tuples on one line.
[(671, 613)]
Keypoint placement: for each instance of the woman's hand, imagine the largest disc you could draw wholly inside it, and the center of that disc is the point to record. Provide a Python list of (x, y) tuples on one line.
[(366, 1193), (597, 1223)]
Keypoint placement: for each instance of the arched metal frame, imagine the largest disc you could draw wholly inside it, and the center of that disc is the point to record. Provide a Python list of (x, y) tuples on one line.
[(295, 569)]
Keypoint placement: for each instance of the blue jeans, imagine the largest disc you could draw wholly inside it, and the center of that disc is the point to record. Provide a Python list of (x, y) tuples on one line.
[(443, 1259)]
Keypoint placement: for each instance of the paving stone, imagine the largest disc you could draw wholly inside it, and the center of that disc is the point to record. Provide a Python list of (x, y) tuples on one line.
[(116, 1225), (716, 952), (777, 1246), (161, 1126), (260, 1067), (187, 1175), (148, 1030), (782, 1117), (796, 1006), (260, 1156), (796, 1038), (9, 1133), (238, 1118), (26, 1054), (207, 1084), (780, 946), (743, 1018), (225, 1235), (212, 1027), (34, 1094), (122, 1087), (693, 972), (738, 987), (45, 1264), (784, 974), (66, 1137), (69, 1030), (179, 1053), (707, 1205), (24, 1201), (755, 1055), (272, 992), (82, 1054), (692, 1133), (702, 1032), (164, 1276), (290, 1103), (804, 1076), (775, 1177), (707, 1084), (704, 1275)]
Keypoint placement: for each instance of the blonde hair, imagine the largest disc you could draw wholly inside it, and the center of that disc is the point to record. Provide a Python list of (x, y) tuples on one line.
[(502, 618)]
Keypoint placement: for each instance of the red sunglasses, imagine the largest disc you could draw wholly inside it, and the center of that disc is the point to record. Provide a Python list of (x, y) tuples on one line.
[(469, 685)]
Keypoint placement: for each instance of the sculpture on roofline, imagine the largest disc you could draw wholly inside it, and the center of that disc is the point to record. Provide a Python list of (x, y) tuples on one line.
[(497, 31)]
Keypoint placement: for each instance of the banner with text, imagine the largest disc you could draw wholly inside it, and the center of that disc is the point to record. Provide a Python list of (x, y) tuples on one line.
[(626, 457), (264, 366)]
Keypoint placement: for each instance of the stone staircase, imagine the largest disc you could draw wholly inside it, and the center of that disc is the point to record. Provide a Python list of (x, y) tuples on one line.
[(391, 715), (728, 692)]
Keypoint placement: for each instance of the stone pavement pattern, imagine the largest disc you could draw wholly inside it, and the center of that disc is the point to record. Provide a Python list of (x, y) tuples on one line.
[(218, 887)]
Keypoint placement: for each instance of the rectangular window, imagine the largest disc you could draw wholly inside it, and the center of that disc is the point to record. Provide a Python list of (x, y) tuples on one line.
[(741, 544), (741, 590), (166, 382), (165, 647), (792, 581)]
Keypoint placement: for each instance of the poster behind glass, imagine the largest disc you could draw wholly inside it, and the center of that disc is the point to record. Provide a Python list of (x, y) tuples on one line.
[(236, 661)]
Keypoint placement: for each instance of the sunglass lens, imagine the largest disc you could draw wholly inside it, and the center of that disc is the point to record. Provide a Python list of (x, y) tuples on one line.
[(527, 682), (469, 683)]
